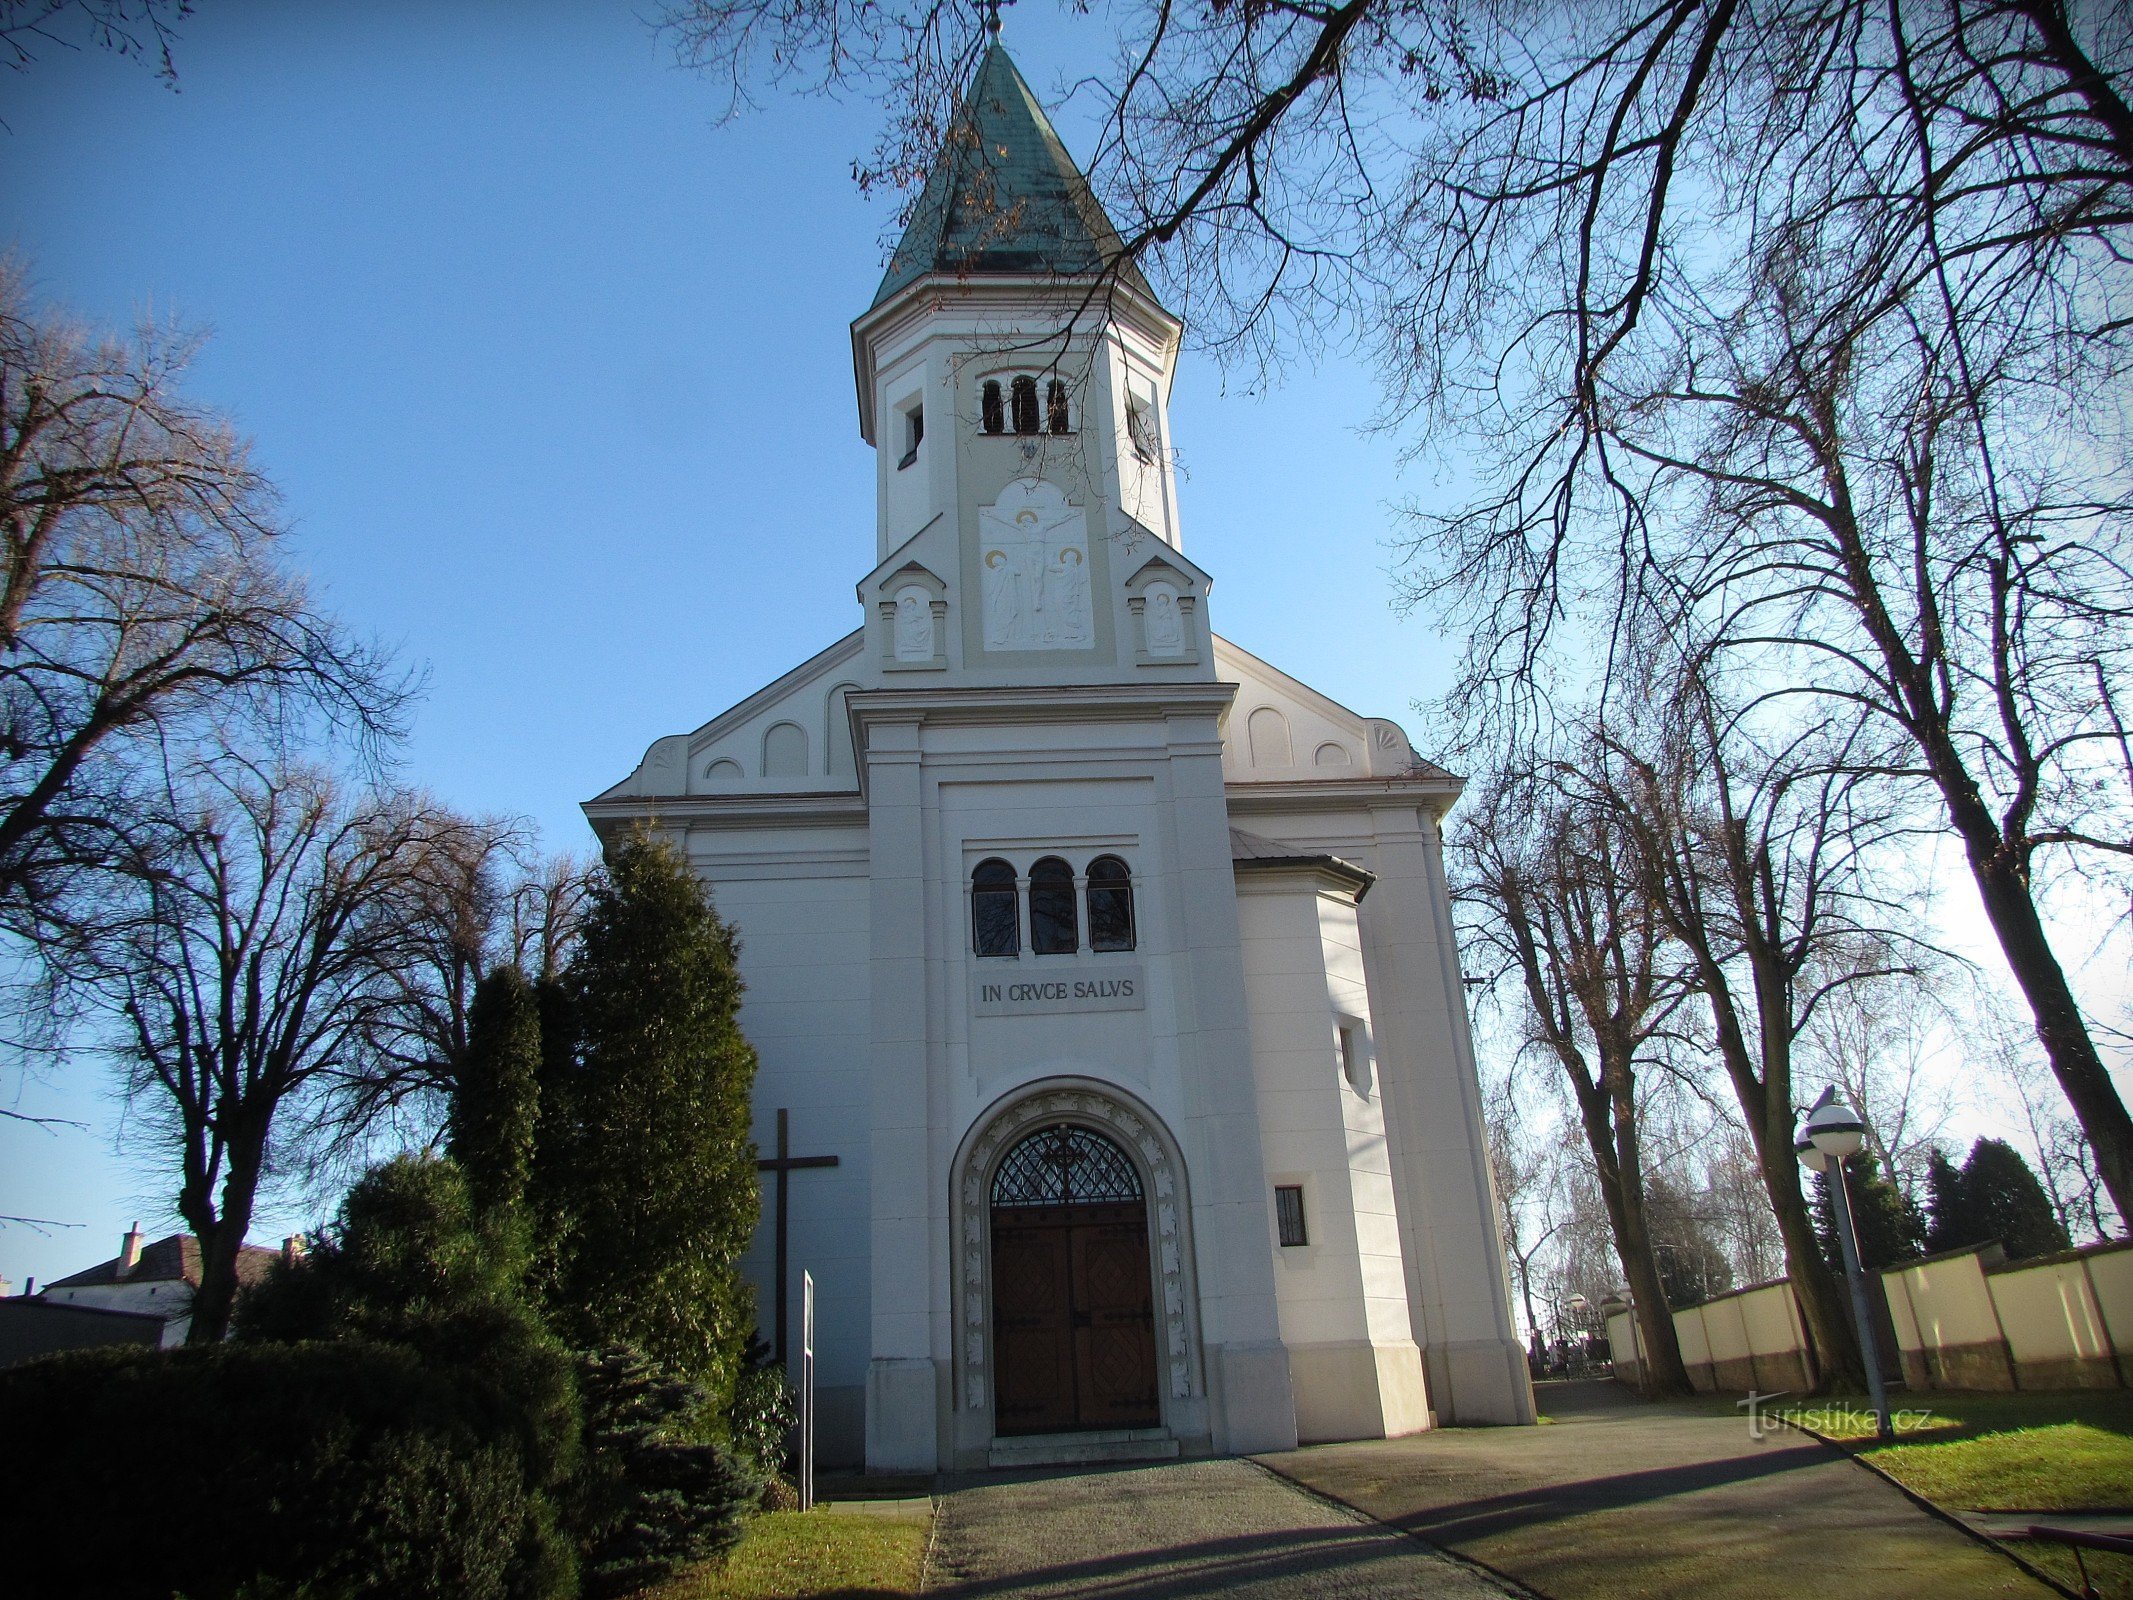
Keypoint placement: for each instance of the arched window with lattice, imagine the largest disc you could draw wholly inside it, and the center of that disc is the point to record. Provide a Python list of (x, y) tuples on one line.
[(1054, 930), (1110, 904), (991, 416), (995, 915), (1065, 1165), (1023, 398)]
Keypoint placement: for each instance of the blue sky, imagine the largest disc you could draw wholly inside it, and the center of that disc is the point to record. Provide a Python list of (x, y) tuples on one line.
[(555, 376)]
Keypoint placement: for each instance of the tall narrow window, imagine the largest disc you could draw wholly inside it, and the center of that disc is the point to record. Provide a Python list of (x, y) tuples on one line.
[(1055, 408), (1053, 928), (1110, 904), (990, 414), (1025, 404), (1289, 1214), (995, 922), (914, 435)]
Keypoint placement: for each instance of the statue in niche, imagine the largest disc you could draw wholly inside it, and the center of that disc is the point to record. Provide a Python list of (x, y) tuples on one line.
[(914, 624), (1164, 622), (1035, 559)]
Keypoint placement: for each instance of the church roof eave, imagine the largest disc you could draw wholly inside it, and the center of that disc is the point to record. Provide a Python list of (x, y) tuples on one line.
[(1251, 852)]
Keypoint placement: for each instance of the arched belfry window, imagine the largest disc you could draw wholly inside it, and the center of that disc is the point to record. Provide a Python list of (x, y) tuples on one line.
[(1025, 404), (995, 920), (1053, 927), (991, 415), (1110, 904), (1066, 1166), (1056, 419)]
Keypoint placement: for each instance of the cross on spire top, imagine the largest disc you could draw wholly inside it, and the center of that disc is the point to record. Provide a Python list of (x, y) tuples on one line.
[(992, 15)]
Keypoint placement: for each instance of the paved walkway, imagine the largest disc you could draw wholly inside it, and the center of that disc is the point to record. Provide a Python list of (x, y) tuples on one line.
[(1182, 1528), (1620, 1500)]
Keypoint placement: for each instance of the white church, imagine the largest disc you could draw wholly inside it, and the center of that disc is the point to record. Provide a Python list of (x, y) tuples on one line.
[(1103, 975)]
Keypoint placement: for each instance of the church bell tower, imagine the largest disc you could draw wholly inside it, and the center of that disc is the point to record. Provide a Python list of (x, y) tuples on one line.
[(1014, 379)]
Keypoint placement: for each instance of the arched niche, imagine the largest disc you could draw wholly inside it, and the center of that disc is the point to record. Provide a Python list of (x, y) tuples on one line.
[(1332, 754), (837, 732), (724, 770), (785, 751), (1268, 731)]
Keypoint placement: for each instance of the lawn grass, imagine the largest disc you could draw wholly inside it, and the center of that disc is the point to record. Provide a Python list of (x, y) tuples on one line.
[(824, 1554), (2021, 1452)]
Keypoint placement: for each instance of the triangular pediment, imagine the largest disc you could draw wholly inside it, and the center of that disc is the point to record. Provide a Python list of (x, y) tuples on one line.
[(790, 735), (1281, 730)]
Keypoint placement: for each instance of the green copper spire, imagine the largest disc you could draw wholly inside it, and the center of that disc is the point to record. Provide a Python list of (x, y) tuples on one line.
[(1004, 197)]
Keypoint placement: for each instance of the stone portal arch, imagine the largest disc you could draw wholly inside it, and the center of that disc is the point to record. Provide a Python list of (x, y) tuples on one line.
[(1161, 1168)]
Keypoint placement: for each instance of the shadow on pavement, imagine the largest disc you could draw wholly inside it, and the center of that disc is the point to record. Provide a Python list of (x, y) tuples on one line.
[(1317, 1561)]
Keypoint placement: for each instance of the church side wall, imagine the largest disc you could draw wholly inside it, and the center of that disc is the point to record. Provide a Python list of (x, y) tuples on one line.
[(1458, 1286), (800, 902), (1342, 1294)]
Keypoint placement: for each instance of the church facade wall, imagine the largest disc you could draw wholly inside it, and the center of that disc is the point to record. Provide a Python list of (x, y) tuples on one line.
[(950, 788), (799, 900)]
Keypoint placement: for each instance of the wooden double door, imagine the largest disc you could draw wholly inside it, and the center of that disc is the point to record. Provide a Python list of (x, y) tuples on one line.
[(1073, 1319)]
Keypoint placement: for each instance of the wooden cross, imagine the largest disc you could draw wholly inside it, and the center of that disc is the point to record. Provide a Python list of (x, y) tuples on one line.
[(782, 1163)]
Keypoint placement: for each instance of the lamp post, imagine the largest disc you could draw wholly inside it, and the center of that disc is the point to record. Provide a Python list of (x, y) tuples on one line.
[(1831, 1133)]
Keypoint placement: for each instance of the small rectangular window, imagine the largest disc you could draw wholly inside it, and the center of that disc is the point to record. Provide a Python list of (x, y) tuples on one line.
[(914, 435), (1140, 430), (1289, 1214), (1351, 1063)]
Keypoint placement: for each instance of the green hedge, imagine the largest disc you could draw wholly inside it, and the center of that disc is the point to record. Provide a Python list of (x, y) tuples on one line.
[(327, 1470)]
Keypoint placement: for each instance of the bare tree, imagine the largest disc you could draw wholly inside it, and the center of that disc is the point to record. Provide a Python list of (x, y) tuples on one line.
[(1522, 1159), (1767, 859), (1773, 317), (250, 947), (1740, 1208), (1874, 1040), (1550, 886), (143, 601), (146, 29), (482, 898), (547, 905)]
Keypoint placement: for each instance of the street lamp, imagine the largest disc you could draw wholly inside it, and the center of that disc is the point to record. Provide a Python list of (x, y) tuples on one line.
[(1831, 1133)]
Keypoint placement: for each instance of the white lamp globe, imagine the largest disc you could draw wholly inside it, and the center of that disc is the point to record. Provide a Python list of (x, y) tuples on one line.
[(1835, 1127), (1810, 1158)]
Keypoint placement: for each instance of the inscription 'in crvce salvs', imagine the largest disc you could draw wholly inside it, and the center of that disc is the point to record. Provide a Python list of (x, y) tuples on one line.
[(1074, 989), (1110, 986)]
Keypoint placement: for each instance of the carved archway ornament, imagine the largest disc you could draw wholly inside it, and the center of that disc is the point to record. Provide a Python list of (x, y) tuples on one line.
[(1138, 1132)]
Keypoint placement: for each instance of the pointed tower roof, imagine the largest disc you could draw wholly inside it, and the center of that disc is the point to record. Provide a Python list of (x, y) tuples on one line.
[(1004, 197)]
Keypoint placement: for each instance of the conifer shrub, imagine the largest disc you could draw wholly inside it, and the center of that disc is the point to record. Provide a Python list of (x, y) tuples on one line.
[(1889, 1228), (496, 1096), (644, 1172), (656, 1492), (1994, 1196), (337, 1470)]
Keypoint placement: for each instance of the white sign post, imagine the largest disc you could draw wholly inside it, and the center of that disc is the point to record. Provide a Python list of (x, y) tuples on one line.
[(807, 1391)]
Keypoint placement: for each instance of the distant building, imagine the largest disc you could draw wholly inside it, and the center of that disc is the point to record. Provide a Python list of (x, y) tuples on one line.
[(142, 1295)]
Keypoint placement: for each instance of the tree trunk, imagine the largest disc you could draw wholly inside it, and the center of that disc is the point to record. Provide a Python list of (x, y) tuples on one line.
[(1610, 1130), (1766, 1104), (2012, 911), (221, 1242), (1833, 1359)]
